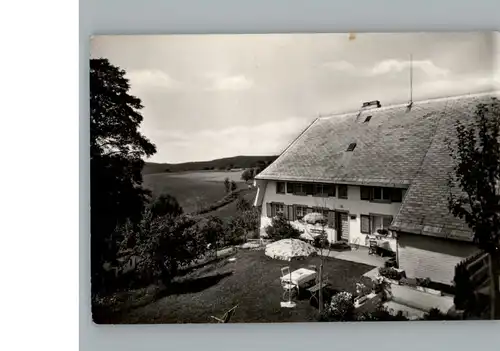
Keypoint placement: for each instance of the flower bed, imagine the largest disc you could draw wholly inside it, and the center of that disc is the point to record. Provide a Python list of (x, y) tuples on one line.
[(392, 273)]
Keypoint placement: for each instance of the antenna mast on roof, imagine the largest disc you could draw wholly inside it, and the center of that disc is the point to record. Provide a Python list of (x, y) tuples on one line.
[(410, 104)]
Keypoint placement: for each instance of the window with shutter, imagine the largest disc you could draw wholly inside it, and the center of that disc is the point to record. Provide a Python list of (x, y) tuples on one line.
[(300, 211), (298, 189), (329, 189), (365, 193), (342, 191), (386, 194), (386, 222), (365, 224), (279, 209), (318, 189), (331, 219), (280, 187), (309, 189), (269, 210)]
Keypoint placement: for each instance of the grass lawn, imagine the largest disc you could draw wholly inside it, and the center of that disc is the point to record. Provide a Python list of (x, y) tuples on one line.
[(252, 282), (193, 190)]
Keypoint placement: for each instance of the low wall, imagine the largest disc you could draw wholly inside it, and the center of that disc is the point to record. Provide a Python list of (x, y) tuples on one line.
[(421, 300)]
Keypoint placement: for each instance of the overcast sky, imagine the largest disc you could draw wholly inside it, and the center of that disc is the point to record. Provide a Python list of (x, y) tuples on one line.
[(212, 96)]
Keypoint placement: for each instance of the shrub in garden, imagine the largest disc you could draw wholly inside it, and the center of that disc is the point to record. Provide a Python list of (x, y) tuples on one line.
[(280, 228), (362, 289), (381, 314), (391, 263), (382, 288), (341, 307), (391, 273)]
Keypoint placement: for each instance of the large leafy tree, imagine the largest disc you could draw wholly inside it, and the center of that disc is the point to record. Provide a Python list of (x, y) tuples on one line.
[(477, 172), (166, 204), (166, 244), (117, 149)]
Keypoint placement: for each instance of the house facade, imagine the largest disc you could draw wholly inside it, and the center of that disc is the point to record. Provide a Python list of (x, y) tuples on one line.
[(377, 168), (352, 211)]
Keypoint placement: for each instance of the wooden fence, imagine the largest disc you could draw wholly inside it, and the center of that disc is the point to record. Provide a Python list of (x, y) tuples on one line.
[(471, 275)]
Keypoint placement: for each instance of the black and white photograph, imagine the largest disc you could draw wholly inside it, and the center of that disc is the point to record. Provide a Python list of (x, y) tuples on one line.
[(278, 178)]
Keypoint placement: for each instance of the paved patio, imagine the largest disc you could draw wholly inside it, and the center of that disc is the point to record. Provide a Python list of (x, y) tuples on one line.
[(359, 255)]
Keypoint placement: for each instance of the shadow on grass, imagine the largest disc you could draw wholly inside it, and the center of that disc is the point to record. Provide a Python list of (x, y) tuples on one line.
[(195, 285), (103, 315)]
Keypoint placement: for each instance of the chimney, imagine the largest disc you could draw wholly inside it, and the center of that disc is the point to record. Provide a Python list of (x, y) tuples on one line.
[(372, 103)]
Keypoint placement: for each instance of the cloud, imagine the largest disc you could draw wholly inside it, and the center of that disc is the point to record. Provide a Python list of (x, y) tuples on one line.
[(151, 79), (229, 83), (385, 67), (457, 86), (397, 66), (269, 138)]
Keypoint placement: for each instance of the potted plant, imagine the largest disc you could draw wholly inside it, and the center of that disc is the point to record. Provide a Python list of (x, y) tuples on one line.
[(383, 232)]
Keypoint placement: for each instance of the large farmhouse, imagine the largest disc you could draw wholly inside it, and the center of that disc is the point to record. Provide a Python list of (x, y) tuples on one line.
[(380, 167)]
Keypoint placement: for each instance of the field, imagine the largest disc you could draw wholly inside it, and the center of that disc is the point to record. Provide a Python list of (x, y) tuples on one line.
[(251, 282), (197, 189)]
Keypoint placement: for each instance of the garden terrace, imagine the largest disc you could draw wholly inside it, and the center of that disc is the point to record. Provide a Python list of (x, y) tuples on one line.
[(252, 282)]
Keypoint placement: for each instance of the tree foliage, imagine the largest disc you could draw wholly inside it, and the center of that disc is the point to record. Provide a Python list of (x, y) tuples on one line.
[(168, 243), (280, 228), (476, 174), (233, 185), (212, 228), (227, 185), (117, 149), (477, 171), (243, 205), (247, 174), (164, 205)]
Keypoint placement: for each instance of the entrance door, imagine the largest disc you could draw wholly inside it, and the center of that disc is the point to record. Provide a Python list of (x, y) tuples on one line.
[(342, 226)]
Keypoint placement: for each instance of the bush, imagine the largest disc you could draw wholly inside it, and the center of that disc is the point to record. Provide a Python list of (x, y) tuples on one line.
[(341, 307), (436, 315), (362, 289), (381, 314), (382, 288), (243, 205), (247, 174), (165, 205), (391, 263), (280, 228), (391, 273)]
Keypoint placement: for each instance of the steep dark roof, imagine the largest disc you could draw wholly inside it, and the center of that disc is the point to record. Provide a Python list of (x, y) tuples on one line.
[(396, 148)]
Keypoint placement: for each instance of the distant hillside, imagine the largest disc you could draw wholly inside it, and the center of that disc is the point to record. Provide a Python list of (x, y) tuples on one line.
[(221, 163)]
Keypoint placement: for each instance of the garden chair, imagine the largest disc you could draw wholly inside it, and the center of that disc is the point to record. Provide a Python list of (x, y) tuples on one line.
[(289, 290), (285, 271), (227, 316)]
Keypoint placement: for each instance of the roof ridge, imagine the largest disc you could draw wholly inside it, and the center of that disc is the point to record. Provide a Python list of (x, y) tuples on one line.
[(388, 107)]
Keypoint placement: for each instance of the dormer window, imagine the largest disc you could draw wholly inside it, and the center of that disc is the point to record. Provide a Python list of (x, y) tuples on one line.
[(351, 147)]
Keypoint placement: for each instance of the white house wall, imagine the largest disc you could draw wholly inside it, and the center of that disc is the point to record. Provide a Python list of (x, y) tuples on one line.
[(353, 204), (427, 257)]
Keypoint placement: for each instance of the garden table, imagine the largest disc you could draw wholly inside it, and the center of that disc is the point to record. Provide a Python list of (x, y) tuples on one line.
[(300, 277)]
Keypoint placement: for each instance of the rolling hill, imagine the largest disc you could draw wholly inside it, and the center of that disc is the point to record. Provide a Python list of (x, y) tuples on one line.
[(218, 164)]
